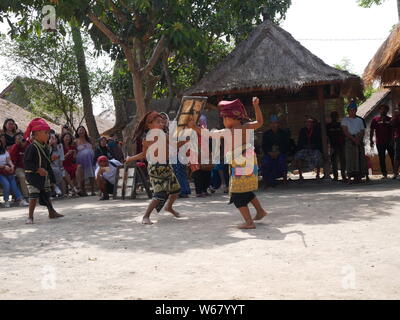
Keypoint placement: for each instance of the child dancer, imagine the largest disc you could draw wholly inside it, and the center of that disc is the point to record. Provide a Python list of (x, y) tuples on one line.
[(38, 172), (162, 178), (242, 182)]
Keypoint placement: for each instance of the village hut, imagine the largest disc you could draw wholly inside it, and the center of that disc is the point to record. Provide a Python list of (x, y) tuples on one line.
[(290, 81), (23, 92), (384, 70), (385, 65)]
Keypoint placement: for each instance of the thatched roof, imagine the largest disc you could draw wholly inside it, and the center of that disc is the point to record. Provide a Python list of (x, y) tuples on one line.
[(20, 91), (372, 103), (272, 59), (21, 116), (385, 65)]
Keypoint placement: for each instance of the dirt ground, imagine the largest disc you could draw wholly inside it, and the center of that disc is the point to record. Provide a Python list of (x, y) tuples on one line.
[(320, 241)]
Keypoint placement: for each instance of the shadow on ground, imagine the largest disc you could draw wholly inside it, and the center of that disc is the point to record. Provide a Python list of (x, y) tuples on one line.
[(207, 223)]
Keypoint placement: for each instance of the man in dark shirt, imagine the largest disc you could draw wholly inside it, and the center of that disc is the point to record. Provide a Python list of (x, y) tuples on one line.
[(384, 137), (396, 127), (275, 146), (336, 141)]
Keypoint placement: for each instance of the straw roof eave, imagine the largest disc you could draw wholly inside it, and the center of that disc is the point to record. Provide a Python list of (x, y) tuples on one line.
[(271, 59), (385, 65)]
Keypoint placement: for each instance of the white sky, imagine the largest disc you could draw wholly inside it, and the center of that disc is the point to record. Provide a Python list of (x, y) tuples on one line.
[(330, 20)]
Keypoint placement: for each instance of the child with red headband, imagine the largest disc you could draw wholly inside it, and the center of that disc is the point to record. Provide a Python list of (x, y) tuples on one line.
[(38, 172)]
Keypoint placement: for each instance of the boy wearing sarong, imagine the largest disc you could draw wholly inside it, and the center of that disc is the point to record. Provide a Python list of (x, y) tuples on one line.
[(162, 177), (38, 172)]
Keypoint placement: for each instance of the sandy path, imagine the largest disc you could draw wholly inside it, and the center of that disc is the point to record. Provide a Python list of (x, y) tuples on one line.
[(319, 242)]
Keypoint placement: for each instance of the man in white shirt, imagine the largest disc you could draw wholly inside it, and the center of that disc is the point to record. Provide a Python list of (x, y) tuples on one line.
[(105, 175)]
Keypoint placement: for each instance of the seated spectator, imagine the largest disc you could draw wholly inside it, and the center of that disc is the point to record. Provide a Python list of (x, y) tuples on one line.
[(115, 148), (102, 150), (336, 142), (275, 146), (57, 158), (10, 129), (105, 175), (7, 179), (309, 148), (17, 152), (73, 171)]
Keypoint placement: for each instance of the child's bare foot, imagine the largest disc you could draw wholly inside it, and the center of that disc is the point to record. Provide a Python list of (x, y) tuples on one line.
[(146, 221), (176, 214), (55, 215), (247, 226), (260, 215), (29, 221)]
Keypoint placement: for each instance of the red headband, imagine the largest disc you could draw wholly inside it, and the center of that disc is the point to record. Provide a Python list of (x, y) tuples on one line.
[(37, 124), (232, 109)]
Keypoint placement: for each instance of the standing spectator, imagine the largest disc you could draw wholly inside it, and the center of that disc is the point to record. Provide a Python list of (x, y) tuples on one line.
[(17, 152), (396, 128), (10, 129), (337, 140), (275, 145), (381, 125), (7, 178), (354, 129), (310, 147), (85, 157)]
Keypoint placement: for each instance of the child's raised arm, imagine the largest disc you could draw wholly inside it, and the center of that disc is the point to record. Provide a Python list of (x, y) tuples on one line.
[(259, 116)]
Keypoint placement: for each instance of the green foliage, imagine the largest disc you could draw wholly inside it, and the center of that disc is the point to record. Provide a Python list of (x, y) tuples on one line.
[(369, 3), (48, 61), (344, 65)]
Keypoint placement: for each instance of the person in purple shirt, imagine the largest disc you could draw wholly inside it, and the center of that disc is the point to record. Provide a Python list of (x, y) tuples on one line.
[(381, 127)]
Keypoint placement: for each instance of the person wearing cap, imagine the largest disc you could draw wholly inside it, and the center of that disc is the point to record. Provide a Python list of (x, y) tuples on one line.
[(381, 127), (354, 129), (242, 159), (336, 140), (309, 146), (105, 175), (275, 146), (396, 135), (38, 172)]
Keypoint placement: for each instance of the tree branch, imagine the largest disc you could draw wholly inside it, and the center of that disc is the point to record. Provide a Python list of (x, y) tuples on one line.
[(103, 28), (156, 55), (118, 14)]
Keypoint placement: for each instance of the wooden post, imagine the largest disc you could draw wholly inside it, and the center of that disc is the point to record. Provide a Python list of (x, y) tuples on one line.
[(324, 134)]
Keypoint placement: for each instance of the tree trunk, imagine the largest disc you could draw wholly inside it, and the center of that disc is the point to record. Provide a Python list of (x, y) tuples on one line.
[(84, 83), (398, 8)]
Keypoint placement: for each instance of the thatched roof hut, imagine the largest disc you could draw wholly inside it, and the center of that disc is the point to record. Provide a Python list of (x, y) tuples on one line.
[(290, 81), (21, 116), (271, 59), (22, 92), (385, 65)]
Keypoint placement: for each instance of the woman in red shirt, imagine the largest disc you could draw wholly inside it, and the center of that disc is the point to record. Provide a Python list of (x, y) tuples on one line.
[(73, 170)]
